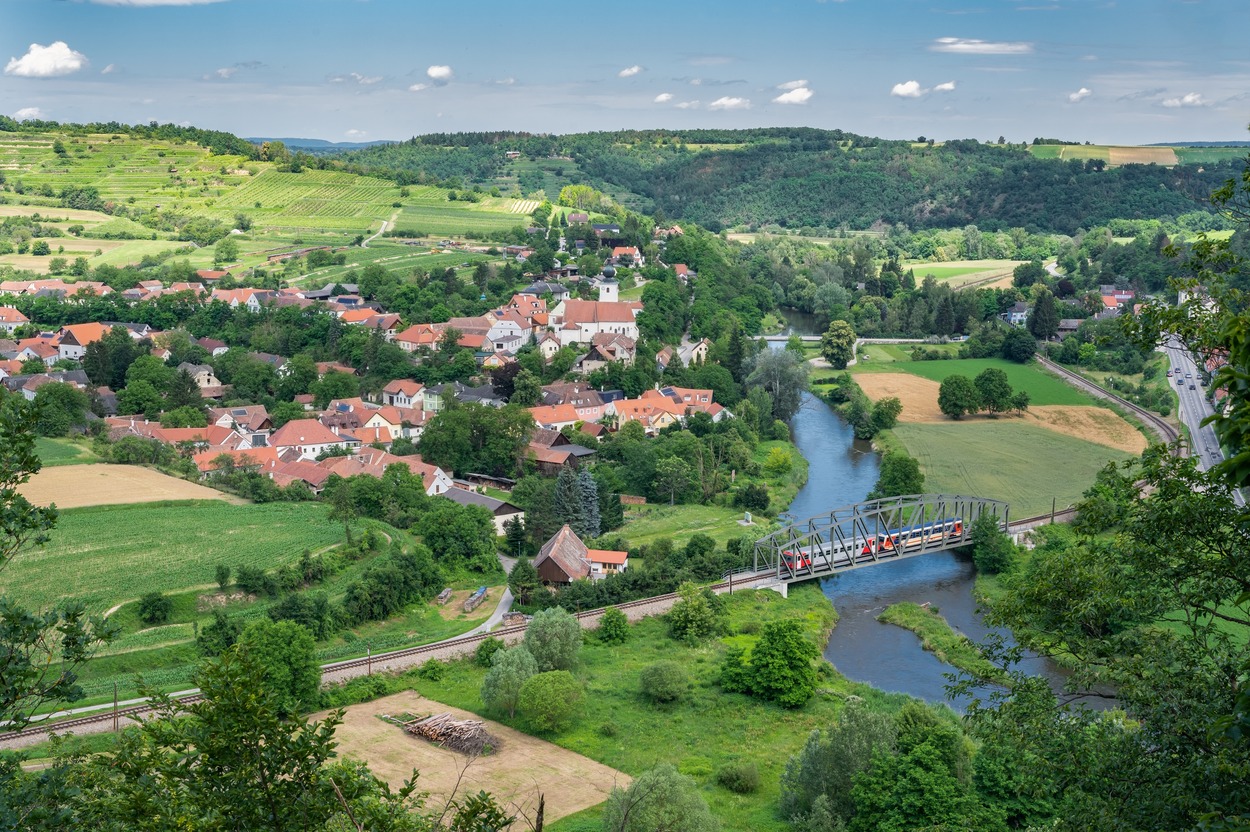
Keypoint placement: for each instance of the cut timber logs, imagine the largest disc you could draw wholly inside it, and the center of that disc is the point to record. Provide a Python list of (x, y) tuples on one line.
[(467, 736)]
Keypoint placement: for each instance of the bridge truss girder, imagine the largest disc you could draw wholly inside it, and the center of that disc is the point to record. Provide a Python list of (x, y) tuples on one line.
[(838, 540)]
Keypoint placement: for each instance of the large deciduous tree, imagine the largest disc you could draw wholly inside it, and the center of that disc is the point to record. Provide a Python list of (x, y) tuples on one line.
[(958, 396), (1044, 319), (900, 474), (501, 689), (994, 390), (837, 345), (660, 799), (783, 375), (554, 638)]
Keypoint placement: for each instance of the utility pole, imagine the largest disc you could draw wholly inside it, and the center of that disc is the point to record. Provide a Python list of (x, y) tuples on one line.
[(369, 658), (114, 707)]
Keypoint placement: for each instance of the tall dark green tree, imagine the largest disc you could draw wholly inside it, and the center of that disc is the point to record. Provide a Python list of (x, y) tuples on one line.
[(570, 510), (1044, 319), (588, 494)]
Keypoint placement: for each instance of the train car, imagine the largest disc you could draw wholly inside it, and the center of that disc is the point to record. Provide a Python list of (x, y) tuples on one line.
[(894, 541)]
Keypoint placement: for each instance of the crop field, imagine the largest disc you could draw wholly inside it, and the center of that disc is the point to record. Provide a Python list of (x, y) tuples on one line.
[(106, 555), (1116, 155), (77, 486), (449, 219), (1204, 155), (400, 260), (1006, 459), (1042, 387)]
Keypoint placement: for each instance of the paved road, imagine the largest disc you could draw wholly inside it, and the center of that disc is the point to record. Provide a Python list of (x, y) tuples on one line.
[(1194, 408)]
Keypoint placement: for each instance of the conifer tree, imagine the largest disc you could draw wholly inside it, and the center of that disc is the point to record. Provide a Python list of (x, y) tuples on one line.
[(588, 492)]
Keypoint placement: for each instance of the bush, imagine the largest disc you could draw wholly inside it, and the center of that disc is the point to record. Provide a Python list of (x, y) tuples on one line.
[(155, 608), (550, 700), (486, 651), (613, 627), (553, 638), (432, 670), (739, 778), (664, 682)]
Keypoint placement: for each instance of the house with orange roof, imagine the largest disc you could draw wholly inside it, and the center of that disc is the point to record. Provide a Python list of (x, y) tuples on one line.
[(11, 319), (556, 416), (402, 392), (578, 321), (628, 256), (419, 336), (210, 461), (72, 340), (307, 437)]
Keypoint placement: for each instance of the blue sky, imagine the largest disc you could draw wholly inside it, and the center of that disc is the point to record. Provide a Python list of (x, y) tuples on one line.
[(1125, 71)]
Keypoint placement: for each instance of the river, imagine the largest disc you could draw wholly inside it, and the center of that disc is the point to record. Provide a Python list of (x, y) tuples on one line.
[(841, 471)]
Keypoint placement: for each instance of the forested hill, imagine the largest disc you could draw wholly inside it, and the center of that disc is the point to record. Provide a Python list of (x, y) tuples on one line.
[(820, 178)]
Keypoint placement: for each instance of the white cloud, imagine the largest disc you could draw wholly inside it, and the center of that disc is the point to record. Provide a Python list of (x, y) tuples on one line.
[(1083, 92), (687, 105), (364, 80), (418, 87), (949, 86), (908, 89), (109, 70), (798, 95), (663, 98), (440, 73), (727, 102), (46, 61), (28, 113), (226, 72), (144, 3), (972, 46), (694, 82), (629, 71), (793, 85), (355, 134), (1189, 99), (504, 82)]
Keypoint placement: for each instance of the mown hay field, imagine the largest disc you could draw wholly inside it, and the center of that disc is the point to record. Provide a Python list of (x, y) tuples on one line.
[(109, 554), (1042, 387), (523, 768), (77, 486)]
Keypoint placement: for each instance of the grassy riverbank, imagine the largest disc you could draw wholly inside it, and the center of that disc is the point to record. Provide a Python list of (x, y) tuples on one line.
[(939, 638)]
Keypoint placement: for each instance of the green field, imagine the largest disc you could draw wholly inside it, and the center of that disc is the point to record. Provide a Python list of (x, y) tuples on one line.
[(1007, 460), (456, 218), (1205, 155), (619, 728), (109, 554), (1043, 388), (63, 452)]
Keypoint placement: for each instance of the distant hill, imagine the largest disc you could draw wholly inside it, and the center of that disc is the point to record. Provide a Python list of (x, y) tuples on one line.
[(313, 145), (821, 179), (1200, 144)]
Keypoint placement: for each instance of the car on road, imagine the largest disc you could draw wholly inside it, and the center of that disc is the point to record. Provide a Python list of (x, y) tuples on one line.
[(1191, 387)]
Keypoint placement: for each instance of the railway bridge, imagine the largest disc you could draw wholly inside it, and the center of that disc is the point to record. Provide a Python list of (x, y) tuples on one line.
[(872, 532)]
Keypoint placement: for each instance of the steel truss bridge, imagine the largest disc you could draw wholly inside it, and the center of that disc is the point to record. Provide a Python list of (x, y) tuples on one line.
[(872, 532)]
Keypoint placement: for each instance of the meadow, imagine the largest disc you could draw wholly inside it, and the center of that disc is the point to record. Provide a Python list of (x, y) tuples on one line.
[(705, 731), (54, 452), (1042, 387), (106, 555), (1005, 459)]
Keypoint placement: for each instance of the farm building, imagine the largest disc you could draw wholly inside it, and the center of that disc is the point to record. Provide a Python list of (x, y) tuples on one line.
[(500, 510), (564, 559)]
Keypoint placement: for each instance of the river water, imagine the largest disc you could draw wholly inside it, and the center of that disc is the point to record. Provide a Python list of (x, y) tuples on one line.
[(841, 471)]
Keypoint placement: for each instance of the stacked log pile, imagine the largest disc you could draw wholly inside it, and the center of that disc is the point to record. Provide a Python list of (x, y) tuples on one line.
[(467, 736)]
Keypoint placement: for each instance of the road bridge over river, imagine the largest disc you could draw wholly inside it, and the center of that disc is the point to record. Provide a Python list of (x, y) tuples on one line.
[(872, 532)]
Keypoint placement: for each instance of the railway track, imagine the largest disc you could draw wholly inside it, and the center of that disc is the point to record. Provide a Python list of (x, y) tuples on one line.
[(460, 644), (1154, 421)]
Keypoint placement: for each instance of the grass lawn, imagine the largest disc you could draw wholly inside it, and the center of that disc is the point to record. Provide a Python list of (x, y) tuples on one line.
[(699, 735), (647, 523), (1043, 388), (1005, 460), (109, 554), (63, 452)]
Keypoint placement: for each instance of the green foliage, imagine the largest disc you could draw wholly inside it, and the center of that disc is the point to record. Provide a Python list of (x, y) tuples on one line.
[(664, 682), (782, 375), (459, 535), (698, 616), (524, 582), (778, 462), (475, 438), (61, 407), (553, 638), (837, 345), (486, 650), (739, 778), (779, 668), (221, 574), (992, 550), (550, 701), (958, 397), (219, 635), (658, 799), (826, 767), (613, 627), (900, 474), (287, 654), (154, 608), (501, 689)]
